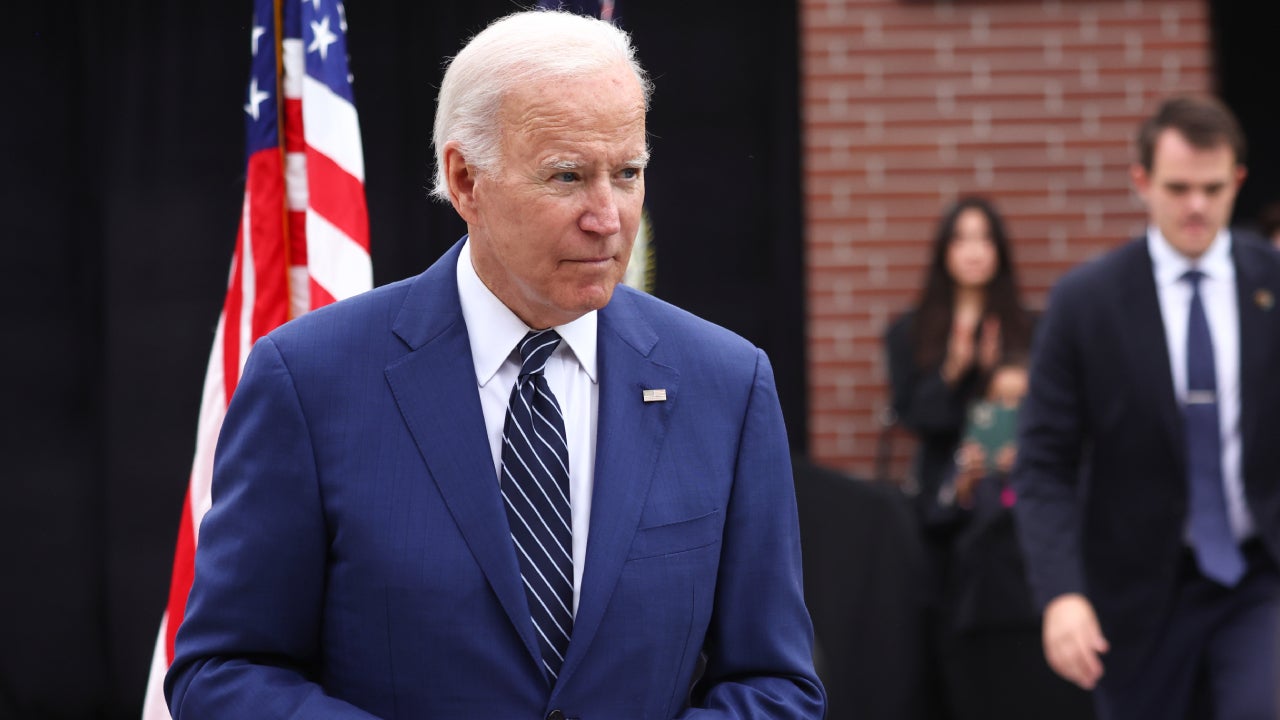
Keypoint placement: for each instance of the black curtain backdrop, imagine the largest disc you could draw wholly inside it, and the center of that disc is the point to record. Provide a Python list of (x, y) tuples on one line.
[(1245, 57), (122, 145)]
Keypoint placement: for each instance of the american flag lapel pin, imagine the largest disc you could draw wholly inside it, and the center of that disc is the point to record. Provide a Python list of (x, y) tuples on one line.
[(655, 395), (1264, 299)]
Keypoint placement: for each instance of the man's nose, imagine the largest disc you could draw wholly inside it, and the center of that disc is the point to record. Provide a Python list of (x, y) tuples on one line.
[(601, 213)]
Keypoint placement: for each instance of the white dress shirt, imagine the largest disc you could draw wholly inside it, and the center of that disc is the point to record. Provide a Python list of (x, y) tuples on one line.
[(495, 332), (1218, 293)]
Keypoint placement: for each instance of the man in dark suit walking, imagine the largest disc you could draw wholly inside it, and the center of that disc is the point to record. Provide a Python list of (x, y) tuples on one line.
[(1149, 453)]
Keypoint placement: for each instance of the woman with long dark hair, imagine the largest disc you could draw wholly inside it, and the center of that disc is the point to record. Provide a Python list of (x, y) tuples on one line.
[(969, 325), (969, 320)]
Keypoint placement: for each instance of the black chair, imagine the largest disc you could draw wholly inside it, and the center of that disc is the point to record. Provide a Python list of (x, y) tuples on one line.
[(866, 588), (890, 467)]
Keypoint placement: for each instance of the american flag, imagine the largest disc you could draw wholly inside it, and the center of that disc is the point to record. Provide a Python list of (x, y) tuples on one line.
[(303, 239)]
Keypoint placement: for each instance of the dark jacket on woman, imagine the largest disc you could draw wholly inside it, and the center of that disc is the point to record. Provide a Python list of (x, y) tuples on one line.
[(931, 409)]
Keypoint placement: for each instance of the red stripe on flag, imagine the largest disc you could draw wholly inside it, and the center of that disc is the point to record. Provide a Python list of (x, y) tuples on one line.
[(337, 197), (293, 141), (319, 296), (231, 321), (297, 237), (270, 256)]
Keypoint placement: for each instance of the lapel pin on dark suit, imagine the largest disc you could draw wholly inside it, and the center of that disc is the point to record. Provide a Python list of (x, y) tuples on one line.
[(655, 395), (1264, 299)]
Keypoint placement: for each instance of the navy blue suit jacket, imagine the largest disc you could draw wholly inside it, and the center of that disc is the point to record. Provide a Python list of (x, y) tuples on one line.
[(1101, 476), (356, 562)]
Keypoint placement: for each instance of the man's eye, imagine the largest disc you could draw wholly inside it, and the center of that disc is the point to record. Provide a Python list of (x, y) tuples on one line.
[(566, 177), (630, 173)]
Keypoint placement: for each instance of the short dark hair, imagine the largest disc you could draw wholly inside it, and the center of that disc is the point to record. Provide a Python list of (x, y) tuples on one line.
[(1204, 121)]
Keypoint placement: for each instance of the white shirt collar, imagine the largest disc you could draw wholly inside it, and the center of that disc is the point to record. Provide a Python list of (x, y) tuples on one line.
[(494, 330), (1170, 265)]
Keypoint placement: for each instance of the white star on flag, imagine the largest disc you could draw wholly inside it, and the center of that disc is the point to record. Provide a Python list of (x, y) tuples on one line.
[(256, 97), (324, 37), (258, 32)]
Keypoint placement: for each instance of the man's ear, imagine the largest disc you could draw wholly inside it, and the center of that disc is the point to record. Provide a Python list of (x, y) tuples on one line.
[(1141, 180), (460, 178)]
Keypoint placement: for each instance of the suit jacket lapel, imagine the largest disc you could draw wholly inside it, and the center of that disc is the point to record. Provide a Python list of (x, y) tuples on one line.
[(1148, 348), (629, 438), (435, 388)]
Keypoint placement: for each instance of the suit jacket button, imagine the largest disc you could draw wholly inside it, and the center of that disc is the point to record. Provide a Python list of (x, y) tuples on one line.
[(555, 715)]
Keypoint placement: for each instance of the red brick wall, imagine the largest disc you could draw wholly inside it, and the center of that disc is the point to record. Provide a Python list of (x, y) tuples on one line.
[(908, 104)]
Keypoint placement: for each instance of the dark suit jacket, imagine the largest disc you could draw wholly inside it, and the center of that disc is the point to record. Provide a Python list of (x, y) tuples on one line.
[(356, 561), (1101, 477)]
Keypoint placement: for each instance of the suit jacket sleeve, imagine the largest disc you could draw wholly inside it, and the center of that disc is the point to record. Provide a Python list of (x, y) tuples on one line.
[(1050, 445), (249, 645), (760, 642)]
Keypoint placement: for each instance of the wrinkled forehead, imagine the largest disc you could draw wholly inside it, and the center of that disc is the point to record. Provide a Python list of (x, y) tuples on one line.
[(606, 104), (614, 83)]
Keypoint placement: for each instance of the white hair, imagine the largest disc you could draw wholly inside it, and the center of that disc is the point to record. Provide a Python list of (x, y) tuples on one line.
[(522, 48)]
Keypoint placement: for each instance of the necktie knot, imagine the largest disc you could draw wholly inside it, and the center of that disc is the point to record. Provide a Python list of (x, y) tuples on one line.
[(1193, 278), (535, 349)]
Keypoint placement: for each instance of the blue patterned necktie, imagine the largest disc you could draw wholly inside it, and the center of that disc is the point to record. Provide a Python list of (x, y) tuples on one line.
[(1215, 548), (535, 489)]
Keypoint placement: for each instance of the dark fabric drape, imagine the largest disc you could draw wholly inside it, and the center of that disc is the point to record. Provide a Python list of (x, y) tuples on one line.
[(866, 582), (122, 141)]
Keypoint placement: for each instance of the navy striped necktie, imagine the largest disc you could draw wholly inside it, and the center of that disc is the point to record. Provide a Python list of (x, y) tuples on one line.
[(1212, 541), (535, 489)]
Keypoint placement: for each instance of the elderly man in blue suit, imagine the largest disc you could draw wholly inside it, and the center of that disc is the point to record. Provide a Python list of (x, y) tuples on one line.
[(1148, 474), (507, 488)]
